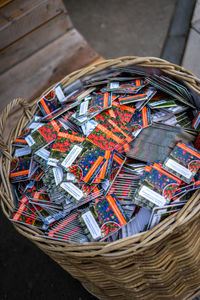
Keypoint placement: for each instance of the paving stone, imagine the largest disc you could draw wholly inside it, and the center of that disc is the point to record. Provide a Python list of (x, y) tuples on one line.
[(192, 54), (116, 28)]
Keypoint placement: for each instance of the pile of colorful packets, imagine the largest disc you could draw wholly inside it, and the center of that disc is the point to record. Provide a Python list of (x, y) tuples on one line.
[(106, 157)]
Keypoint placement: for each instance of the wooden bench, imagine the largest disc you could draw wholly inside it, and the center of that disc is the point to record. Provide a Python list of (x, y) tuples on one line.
[(38, 47)]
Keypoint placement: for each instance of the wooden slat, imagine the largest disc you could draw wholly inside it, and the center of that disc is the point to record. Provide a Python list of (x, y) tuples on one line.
[(4, 2), (34, 41), (25, 16), (31, 77)]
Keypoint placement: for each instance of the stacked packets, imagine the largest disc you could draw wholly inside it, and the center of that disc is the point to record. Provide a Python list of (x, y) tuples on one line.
[(107, 157)]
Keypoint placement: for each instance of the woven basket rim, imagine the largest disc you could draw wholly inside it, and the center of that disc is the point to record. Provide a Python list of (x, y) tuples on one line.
[(120, 248)]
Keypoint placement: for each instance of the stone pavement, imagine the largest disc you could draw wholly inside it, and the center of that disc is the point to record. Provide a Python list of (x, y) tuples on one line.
[(191, 59)]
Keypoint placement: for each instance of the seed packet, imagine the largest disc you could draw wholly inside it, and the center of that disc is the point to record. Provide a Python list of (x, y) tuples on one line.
[(110, 133), (118, 162), (64, 109), (181, 89), (113, 123), (106, 168), (64, 142), (196, 122), (69, 124), (103, 218), (52, 178), (21, 169), (78, 193), (20, 140), (24, 151), (25, 213), (87, 164), (197, 142), (43, 135), (80, 94), (68, 229), (160, 213), (183, 162), (161, 100), (41, 156), (129, 87), (143, 95), (147, 146), (157, 188), (137, 224), (140, 119), (94, 104), (124, 112), (37, 175), (124, 189), (48, 213), (159, 84), (50, 101)]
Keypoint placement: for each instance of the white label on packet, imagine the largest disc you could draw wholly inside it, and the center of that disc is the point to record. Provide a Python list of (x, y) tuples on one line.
[(52, 162), (172, 164), (70, 176), (59, 93), (30, 140), (43, 153), (35, 125), (114, 85), (92, 225), (83, 107), (58, 174), (22, 151), (72, 155), (152, 196), (72, 190)]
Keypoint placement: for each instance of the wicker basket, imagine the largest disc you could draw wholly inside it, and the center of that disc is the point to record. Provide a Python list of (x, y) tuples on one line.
[(163, 263)]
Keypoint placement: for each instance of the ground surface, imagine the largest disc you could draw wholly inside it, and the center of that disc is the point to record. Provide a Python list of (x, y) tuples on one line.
[(118, 28)]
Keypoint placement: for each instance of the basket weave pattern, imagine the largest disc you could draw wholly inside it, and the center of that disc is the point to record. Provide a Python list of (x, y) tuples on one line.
[(163, 263)]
